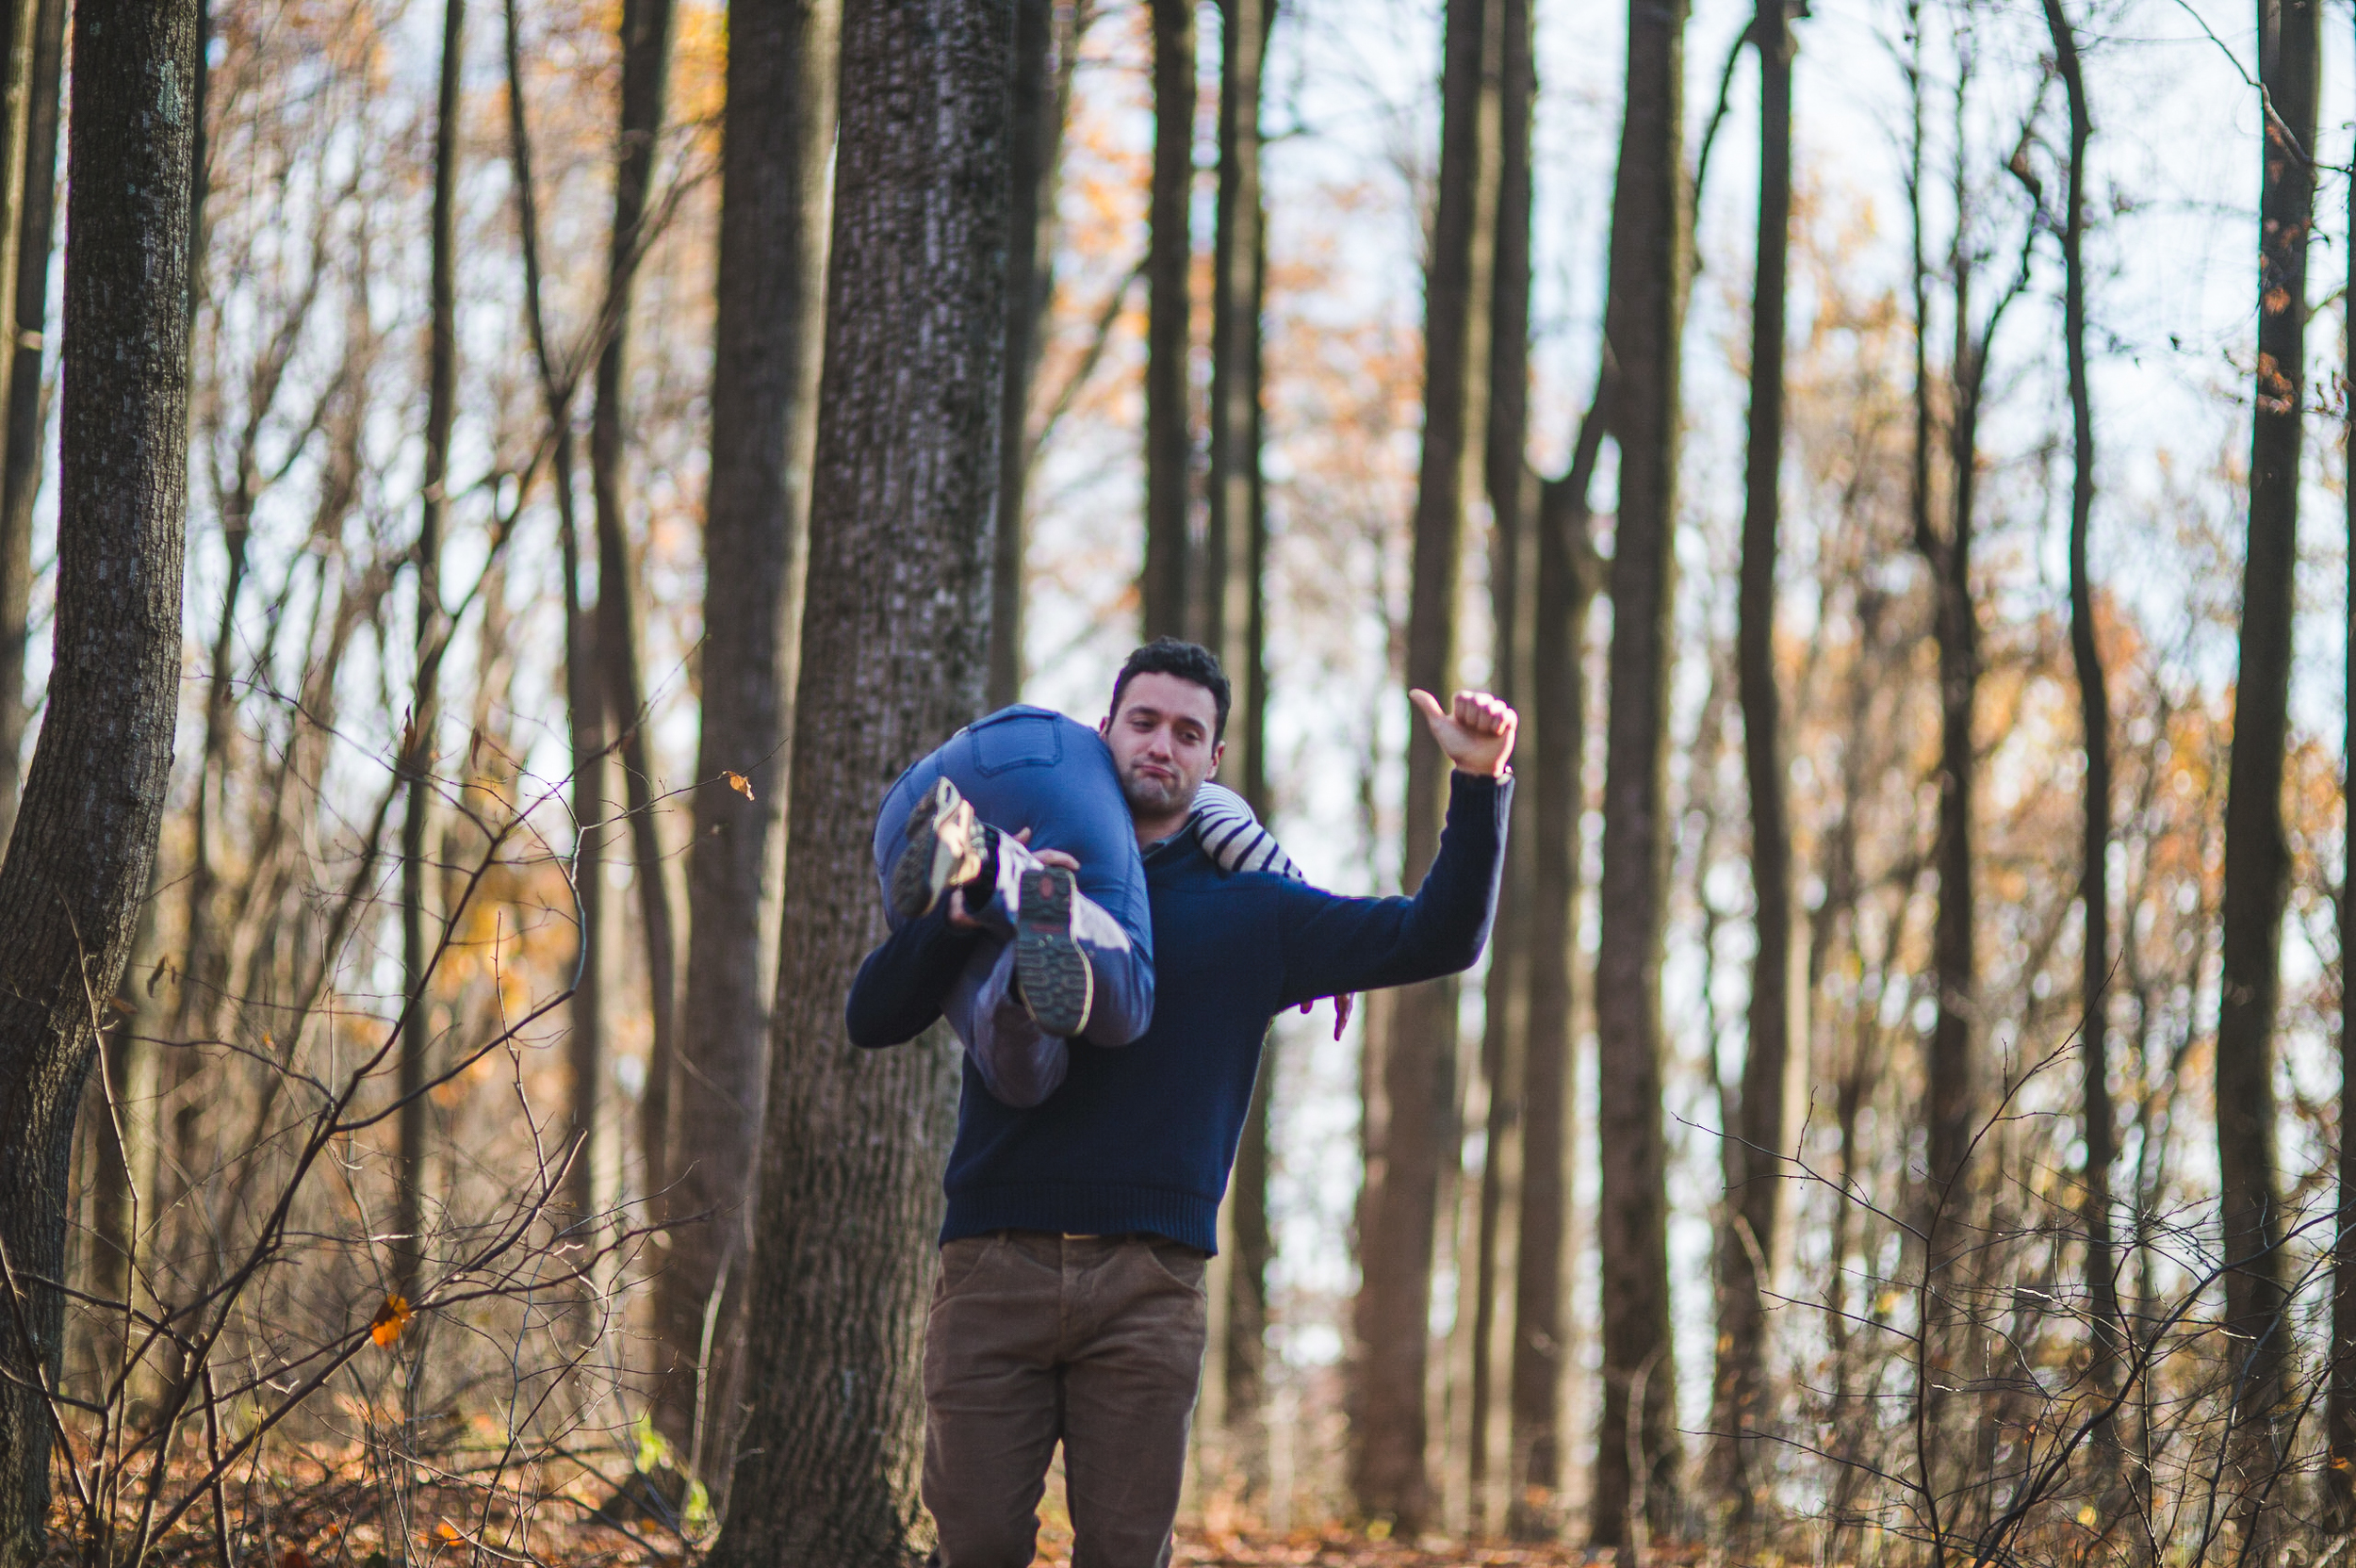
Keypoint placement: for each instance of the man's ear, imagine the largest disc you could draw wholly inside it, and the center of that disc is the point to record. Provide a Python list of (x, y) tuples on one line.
[(1218, 752)]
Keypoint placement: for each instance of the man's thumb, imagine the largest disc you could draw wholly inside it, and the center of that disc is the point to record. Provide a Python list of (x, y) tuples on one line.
[(1427, 704)]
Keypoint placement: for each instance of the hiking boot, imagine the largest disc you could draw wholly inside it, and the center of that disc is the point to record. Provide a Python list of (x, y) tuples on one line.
[(1057, 985), (945, 849)]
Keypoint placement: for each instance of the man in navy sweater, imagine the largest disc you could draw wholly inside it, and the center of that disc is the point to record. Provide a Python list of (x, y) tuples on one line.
[(1070, 1307)]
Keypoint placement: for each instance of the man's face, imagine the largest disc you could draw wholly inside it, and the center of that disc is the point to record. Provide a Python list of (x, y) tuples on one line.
[(1161, 743)]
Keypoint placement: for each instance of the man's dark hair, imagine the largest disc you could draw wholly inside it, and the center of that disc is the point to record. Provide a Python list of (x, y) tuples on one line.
[(1187, 662)]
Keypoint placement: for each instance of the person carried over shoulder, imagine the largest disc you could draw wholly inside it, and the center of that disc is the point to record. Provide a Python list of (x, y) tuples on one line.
[(1068, 1312), (1015, 892)]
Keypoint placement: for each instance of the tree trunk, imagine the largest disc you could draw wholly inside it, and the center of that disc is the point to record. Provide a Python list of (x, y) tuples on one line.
[(1953, 1066), (1646, 293), (1950, 1195), (84, 838), (771, 300), (646, 39), (1514, 491), (1388, 1474), (895, 648), (20, 475), (2339, 1419), (1230, 589), (1046, 53), (2101, 1130), (2257, 856), (1919, 498), (418, 751), (1234, 623), (584, 708), (1163, 591), (584, 714), (1558, 756), (1755, 1184)]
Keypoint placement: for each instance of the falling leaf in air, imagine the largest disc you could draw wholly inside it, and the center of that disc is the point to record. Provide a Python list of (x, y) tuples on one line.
[(741, 784), (390, 1319)]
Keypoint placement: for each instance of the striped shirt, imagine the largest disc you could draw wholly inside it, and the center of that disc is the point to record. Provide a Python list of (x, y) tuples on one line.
[(1231, 836)]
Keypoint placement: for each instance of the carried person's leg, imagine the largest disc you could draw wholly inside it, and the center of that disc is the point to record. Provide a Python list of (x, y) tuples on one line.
[(1021, 1064), (1029, 769), (1082, 940), (1081, 973), (1133, 1369), (1063, 940), (991, 1417)]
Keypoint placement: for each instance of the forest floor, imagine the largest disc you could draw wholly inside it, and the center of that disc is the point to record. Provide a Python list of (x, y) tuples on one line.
[(1336, 1547), (337, 1513)]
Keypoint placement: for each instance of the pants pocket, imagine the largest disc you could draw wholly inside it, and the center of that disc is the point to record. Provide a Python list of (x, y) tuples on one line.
[(1180, 1265), (959, 1260)]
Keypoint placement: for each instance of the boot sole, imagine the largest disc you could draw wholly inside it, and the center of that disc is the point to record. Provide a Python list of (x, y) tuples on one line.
[(1058, 986), (940, 853)]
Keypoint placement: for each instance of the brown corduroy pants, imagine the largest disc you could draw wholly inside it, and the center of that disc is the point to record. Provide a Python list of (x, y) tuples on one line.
[(1035, 1339)]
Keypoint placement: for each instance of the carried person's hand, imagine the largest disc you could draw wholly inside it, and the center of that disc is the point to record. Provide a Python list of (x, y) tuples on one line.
[(1344, 1005), (963, 920), (1476, 732)]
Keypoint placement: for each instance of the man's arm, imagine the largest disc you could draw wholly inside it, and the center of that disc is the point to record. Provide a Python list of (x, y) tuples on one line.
[(1333, 945), (1349, 944), (897, 994)]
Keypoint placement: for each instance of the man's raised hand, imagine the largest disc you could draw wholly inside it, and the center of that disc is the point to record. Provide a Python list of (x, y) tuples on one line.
[(1476, 733)]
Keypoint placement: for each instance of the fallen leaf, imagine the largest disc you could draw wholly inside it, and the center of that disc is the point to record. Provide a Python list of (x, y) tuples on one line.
[(390, 1319), (294, 1556), (741, 784), (448, 1531)]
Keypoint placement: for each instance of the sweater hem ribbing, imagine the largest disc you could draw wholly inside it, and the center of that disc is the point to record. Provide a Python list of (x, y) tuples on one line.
[(1073, 1208)]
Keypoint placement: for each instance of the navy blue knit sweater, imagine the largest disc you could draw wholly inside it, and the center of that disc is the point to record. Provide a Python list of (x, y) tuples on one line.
[(1141, 1137)]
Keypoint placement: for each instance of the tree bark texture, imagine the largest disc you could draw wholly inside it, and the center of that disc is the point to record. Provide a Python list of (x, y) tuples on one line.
[(894, 652), (1389, 1476), (1229, 586), (1513, 490), (777, 140), (646, 27), (1755, 1184), (2339, 1416), (584, 714), (84, 838), (418, 746), (1650, 222), (2094, 986), (2257, 856), (1046, 52), (1235, 625), (1953, 1056), (1558, 757), (20, 470), (1163, 590)]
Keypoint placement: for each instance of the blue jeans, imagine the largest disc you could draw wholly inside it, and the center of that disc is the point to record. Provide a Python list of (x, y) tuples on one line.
[(1022, 767)]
